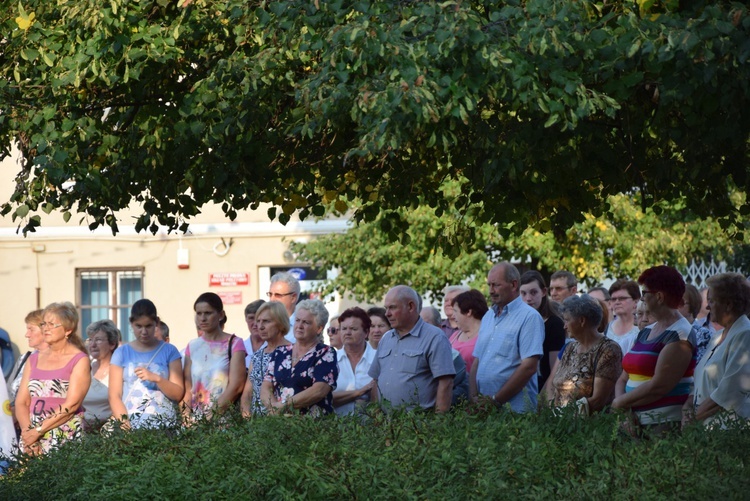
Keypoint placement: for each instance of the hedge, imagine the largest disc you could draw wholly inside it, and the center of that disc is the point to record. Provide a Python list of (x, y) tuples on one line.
[(494, 454)]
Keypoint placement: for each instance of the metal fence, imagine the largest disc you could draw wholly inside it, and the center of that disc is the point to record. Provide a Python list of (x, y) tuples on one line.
[(697, 272)]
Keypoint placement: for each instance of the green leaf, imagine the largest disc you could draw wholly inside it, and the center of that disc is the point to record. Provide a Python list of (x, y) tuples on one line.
[(552, 120), (22, 211)]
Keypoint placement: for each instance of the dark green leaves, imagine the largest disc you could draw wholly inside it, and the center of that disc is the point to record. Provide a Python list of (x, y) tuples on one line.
[(546, 106)]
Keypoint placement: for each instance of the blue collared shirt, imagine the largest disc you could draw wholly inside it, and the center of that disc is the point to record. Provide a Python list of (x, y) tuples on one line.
[(408, 368), (506, 338)]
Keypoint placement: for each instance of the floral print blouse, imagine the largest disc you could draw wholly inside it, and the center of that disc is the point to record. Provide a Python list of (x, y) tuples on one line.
[(576, 372), (318, 365)]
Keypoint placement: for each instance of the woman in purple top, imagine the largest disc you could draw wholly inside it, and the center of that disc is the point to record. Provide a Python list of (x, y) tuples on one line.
[(54, 383)]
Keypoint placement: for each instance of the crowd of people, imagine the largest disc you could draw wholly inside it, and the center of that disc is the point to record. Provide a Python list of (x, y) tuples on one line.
[(659, 351)]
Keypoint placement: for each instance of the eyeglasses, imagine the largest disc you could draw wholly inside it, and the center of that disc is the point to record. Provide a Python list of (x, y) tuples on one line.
[(278, 294), (47, 325), (644, 292), (620, 298), (332, 330)]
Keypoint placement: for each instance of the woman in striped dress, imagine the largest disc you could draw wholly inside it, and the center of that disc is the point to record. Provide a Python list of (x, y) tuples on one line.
[(658, 370)]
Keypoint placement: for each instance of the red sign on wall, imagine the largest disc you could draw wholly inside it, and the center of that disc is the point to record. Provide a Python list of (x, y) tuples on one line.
[(234, 297), (228, 279)]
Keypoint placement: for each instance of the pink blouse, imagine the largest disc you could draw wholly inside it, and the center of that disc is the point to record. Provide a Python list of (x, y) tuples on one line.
[(465, 348)]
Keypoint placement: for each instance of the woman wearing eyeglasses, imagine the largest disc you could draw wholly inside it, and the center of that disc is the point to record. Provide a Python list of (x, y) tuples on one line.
[(54, 383), (334, 334), (624, 297), (658, 370), (103, 336)]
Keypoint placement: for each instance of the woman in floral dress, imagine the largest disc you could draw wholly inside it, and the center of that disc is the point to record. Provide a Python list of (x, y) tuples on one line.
[(302, 376), (590, 364), (54, 383), (215, 370)]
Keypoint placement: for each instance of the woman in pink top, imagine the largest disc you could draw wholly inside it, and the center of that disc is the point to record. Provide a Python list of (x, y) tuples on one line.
[(54, 383), (468, 309)]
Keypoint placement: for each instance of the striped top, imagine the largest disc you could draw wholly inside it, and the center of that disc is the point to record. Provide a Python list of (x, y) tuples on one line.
[(640, 364)]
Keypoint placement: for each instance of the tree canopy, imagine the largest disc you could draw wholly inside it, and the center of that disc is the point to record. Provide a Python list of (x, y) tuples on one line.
[(545, 108), (621, 243)]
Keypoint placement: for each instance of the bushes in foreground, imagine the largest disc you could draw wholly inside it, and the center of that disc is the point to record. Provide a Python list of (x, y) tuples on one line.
[(403, 456)]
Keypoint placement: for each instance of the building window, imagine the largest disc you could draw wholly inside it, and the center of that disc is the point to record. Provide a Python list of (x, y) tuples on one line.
[(109, 294)]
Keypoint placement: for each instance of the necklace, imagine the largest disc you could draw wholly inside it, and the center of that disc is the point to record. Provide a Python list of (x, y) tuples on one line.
[(101, 373), (468, 336), (297, 358)]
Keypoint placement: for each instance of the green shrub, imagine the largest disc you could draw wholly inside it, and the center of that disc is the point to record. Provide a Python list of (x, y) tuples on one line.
[(402, 456)]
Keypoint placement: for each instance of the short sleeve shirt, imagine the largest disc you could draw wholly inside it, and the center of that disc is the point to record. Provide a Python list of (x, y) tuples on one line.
[(145, 403), (640, 364), (353, 379), (317, 366), (407, 368), (506, 337)]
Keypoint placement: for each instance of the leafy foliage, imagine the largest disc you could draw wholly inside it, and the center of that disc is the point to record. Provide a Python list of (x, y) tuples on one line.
[(547, 107), (405, 456), (622, 242)]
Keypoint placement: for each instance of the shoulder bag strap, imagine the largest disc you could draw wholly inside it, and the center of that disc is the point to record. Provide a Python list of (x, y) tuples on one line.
[(149, 363), (229, 349)]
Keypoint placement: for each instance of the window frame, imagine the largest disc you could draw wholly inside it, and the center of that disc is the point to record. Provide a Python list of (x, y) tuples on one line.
[(113, 305)]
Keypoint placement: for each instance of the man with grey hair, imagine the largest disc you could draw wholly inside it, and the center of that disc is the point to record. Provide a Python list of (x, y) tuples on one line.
[(509, 345), (285, 289), (431, 315), (449, 294), (414, 364)]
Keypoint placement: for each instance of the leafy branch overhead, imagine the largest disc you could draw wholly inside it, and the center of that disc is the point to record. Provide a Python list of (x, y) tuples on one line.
[(545, 107), (622, 242)]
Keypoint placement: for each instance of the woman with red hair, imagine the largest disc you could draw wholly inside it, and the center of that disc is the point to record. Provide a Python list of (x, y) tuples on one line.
[(658, 370)]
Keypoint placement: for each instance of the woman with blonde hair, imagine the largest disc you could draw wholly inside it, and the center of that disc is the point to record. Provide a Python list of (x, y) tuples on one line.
[(54, 383), (272, 322), (36, 342)]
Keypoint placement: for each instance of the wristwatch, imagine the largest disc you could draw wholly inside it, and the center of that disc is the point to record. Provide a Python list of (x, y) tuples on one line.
[(39, 429)]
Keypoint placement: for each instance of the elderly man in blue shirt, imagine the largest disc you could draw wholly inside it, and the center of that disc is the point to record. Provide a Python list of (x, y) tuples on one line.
[(509, 345), (414, 364)]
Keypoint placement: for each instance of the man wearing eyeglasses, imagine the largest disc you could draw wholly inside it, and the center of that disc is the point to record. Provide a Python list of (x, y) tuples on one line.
[(285, 290), (562, 285)]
